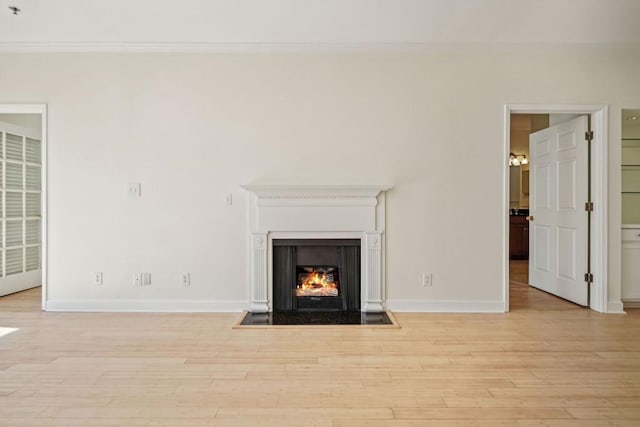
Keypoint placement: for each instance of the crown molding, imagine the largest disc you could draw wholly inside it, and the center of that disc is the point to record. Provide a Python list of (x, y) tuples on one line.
[(300, 47)]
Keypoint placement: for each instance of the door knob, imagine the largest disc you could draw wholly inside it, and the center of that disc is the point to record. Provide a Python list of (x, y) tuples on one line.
[(530, 218)]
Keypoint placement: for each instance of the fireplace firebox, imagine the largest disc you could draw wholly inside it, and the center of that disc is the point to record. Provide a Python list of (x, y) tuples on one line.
[(316, 275)]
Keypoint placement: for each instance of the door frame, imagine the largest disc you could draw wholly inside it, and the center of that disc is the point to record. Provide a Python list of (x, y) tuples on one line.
[(599, 195), (42, 110)]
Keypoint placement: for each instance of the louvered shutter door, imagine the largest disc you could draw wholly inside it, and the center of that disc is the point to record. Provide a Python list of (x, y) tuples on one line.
[(14, 233), (20, 184), (14, 261), (32, 258), (32, 232), (14, 176), (14, 205), (33, 204), (14, 147), (33, 177), (33, 151)]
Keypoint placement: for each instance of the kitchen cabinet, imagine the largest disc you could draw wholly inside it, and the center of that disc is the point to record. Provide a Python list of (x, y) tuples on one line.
[(631, 265), (631, 181), (518, 237)]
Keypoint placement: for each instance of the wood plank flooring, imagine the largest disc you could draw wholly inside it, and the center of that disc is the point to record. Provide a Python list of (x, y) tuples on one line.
[(534, 366)]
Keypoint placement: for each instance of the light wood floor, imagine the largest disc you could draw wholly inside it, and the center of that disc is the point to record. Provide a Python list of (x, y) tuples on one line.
[(523, 296), (530, 367)]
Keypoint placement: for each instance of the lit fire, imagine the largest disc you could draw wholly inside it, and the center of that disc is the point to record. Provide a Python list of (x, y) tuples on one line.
[(318, 283)]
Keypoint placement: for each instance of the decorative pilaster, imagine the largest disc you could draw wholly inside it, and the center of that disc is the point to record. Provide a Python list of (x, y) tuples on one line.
[(373, 272), (259, 291)]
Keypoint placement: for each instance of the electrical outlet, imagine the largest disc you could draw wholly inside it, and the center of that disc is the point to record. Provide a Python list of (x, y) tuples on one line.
[(137, 279), (427, 279), (133, 189), (97, 278), (186, 279), (146, 279)]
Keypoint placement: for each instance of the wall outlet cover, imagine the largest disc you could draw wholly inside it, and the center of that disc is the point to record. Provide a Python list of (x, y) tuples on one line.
[(97, 278), (134, 189)]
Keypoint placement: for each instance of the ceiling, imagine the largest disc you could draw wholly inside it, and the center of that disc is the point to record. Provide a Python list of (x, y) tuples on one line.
[(194, 24)]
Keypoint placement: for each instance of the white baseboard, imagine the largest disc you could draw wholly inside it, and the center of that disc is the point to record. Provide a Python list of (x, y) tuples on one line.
[(631, 303), (160, 306), (615, 307), (445, 306)]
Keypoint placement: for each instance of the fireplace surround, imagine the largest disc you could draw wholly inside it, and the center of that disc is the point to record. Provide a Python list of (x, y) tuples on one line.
[(316, 275), (281, 212)]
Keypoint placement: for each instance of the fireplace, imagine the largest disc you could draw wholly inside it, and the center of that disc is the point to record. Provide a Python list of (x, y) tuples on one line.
[(316, 274), (326, 230)]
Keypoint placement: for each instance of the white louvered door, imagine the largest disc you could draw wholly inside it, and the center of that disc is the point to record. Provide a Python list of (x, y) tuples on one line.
[(21, 188)]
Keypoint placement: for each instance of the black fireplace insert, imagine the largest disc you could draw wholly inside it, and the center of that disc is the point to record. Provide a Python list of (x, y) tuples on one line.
[(316, 275)]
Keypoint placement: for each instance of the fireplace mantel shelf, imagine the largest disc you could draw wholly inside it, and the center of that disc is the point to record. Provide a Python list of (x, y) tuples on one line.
[(262, 190)]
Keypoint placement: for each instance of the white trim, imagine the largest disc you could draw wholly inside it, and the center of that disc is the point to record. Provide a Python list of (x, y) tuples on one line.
[(159, 306), (339, 210), (600, 179), (42, 110), (302, 47), (316, 195), (631, 302), (615, 307), (444, 306)]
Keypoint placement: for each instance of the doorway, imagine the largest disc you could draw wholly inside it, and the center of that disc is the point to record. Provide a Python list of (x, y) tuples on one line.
[(23, 191), (518, 271)]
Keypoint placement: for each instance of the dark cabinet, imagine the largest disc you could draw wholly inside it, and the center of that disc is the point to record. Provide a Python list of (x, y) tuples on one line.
[(518, 237)]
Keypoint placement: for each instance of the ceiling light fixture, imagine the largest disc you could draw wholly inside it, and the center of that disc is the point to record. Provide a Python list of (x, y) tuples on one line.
[(518, 159)]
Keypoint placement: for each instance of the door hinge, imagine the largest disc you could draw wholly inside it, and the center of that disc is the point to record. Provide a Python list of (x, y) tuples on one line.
[(588, 135), (588, 277), (588, 206)]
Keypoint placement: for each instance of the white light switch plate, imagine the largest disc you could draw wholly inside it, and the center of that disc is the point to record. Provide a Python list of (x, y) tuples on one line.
[(186, 279)]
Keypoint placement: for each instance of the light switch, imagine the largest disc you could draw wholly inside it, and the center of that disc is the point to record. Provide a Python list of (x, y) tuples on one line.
[(228, 199)]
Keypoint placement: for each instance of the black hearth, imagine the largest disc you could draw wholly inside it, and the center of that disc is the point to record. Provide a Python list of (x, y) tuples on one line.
[(316, 275)]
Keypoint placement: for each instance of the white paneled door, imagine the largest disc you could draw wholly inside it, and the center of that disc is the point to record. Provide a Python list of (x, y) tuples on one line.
[(558, 227)]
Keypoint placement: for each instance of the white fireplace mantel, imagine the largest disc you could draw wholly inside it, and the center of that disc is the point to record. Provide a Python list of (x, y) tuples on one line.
[(317, 211)]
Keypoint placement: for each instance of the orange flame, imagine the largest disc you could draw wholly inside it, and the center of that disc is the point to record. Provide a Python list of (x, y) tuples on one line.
[(318, 284)]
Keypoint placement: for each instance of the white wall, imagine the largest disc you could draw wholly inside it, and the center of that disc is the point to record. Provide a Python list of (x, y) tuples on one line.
[(190, 127)]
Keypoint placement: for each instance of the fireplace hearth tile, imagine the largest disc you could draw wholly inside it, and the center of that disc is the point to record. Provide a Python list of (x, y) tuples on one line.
[(316, 318)]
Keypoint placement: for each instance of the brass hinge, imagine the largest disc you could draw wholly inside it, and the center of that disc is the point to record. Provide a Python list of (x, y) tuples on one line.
[(588, 135), (588, 277), (588, 206)]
